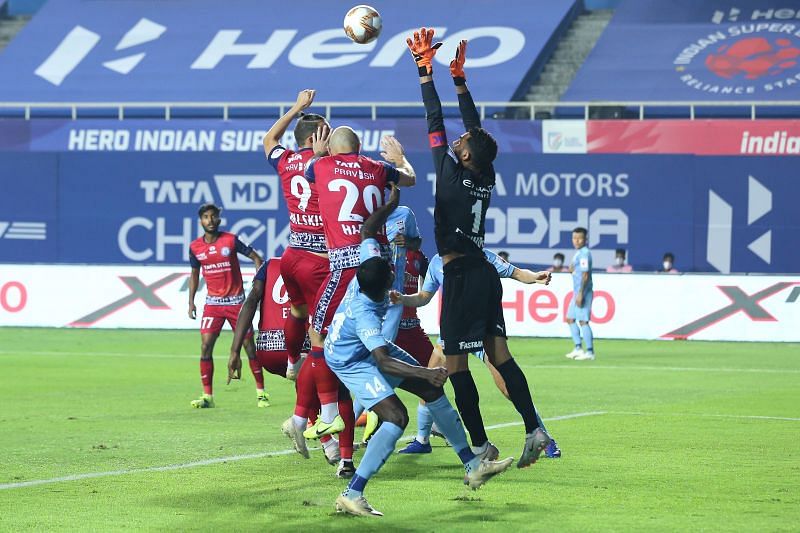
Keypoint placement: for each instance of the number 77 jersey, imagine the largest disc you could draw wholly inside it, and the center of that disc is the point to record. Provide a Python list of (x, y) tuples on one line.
[(302, 202), (350, 188)]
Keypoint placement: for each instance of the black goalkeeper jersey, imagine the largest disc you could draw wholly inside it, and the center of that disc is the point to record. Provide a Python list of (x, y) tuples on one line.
[(462, 197)]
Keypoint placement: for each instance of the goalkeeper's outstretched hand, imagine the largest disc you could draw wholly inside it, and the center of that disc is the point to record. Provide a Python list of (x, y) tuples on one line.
[(457, 64), (423, 50)]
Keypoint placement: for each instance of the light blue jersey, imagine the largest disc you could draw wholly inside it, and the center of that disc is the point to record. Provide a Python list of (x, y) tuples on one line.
[(400, 221), (581, 262), (435, 277), (355, 331)]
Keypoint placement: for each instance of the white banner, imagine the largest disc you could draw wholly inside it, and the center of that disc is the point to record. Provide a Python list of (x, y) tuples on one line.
[(627, 306)]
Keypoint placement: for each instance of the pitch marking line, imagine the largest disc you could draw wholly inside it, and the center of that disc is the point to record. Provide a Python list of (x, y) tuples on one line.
[(218, 460), (704, 415)]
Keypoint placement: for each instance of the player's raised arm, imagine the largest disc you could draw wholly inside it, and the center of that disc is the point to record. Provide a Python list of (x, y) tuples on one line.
[(392, 151), (423, 52), (273, 136), (469, 113), (377, 219)]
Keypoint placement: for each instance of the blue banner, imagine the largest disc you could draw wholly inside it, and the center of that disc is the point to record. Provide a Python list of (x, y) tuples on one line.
[(264, 50), (712, 213), (724, 50), (195, 135)]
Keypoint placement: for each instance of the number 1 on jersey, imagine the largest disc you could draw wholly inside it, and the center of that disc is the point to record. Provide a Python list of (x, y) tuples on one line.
[(477, 211)]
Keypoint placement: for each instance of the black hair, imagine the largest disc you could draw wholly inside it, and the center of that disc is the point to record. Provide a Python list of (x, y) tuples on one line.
[(557, 255), (669, 256), (208, 207), (581, 230), (373, 276), (306, 125), (483, 149), (619, 251)]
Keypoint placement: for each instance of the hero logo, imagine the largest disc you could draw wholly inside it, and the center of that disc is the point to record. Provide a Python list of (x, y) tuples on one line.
[(733, 13), (320, 50), (743, 59), (719, 239), (79, 42)]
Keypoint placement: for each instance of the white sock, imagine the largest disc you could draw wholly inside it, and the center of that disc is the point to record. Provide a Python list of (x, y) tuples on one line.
[(423, 440), (329, 412), (299, 421)]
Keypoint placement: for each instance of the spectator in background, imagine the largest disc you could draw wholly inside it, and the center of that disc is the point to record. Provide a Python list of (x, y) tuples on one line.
[(503, 255), (558, 263), (668, 264), (619, 263)]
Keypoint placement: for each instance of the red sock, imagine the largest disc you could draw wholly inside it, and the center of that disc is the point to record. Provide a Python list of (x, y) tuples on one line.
[(207, 374), (326, 381), (255, 367), (347, 436), (307, 401), (294, 330)]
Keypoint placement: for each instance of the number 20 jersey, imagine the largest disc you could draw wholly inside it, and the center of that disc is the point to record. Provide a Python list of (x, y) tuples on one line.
[(350, 188), (302, 201)]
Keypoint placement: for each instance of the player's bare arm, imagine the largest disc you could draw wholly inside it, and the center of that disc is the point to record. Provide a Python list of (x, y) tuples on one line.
[(523, 275), (257, 259), (194, 281), (243, 323), (377, 219), (273, 136), (419, 299), (411, 243), (394, 367), (392, 151)]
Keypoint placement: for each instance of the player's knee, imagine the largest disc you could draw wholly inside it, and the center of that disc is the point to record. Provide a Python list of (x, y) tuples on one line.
[(397, 416), (431, 394)]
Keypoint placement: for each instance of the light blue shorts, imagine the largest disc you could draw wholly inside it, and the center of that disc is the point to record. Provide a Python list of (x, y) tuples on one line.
[(581, 314), (365, 380)]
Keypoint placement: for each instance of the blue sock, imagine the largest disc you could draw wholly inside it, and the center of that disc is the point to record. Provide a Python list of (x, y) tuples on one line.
[(357, 408), (381, 446), (576, 334), (588, 338), (424, 423), (447, 419)]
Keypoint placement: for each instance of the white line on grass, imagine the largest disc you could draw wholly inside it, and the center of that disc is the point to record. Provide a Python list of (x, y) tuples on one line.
[(590, 366), (218, 460), (704, 415)]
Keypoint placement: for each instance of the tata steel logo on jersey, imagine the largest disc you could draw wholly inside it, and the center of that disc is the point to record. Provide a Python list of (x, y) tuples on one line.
[(236, 192), (743, 59), (325, 49)]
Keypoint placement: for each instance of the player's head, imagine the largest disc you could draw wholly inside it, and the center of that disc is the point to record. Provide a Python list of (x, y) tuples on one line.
[(476, 148), (375, 277), (209, 217), (306, 125), (619, 256), (668, 261), (579, 238), (344, 140), (558, 260)]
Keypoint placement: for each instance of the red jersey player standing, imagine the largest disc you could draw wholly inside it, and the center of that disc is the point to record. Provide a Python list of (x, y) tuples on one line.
[(350, 187), (216, 253)]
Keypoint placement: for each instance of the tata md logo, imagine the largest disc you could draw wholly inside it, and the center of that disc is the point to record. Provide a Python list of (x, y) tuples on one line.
[(236, 192)]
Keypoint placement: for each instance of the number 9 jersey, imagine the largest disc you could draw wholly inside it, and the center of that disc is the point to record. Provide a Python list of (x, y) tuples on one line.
[(302, 202)]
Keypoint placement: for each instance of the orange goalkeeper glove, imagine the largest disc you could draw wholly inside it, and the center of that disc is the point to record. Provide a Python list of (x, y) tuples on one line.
[(422, 50), (457, 65)]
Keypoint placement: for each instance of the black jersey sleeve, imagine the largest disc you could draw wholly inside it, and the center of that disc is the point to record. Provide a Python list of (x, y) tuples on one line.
[(469, 113), (443, 161)]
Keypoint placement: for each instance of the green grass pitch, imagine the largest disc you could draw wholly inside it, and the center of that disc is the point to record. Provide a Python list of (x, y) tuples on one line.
[(674, 436)]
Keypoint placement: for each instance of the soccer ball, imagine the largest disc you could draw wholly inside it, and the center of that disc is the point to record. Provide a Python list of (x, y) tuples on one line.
[(362, 24)]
